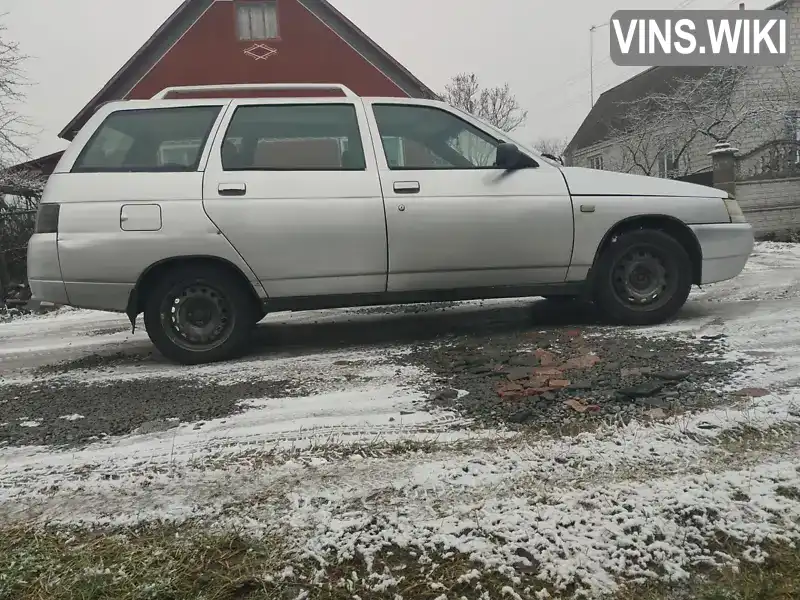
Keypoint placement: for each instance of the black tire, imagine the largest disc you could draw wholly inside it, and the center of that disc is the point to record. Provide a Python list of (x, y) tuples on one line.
[(670, 278), (230, 308)]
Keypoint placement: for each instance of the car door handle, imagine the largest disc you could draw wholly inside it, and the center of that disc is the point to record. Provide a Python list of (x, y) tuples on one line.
[(232, 189), (406, 187)]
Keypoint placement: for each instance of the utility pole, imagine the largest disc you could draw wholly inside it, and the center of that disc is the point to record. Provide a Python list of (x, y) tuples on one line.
[(591, 60)]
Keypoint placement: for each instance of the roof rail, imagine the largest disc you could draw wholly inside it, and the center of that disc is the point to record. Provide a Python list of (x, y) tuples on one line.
[(255, 87)]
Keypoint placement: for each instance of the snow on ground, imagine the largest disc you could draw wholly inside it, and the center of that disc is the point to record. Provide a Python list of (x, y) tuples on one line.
[(641, 501)]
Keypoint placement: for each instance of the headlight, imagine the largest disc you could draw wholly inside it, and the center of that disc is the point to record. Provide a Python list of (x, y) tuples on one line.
[(734, 210)]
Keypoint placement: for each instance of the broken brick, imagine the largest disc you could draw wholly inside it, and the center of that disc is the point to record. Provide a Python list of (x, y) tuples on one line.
[(538, 382), (558, 383), (509, 386), (582, 362), (510, 391), (547, 371), (576, 405), (546, 358), (537, 391)]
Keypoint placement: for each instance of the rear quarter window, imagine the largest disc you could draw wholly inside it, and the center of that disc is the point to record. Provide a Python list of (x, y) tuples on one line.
[(149, 140)]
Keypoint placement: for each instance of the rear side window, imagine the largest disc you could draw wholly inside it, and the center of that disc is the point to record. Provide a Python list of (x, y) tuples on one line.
[(150, 140), (293, 137)]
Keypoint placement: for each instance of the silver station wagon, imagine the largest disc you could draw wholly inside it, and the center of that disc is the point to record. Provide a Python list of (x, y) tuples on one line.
[(206, 214)]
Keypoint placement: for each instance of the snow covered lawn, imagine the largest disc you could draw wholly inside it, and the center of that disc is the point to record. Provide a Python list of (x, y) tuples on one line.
[(359, 475)]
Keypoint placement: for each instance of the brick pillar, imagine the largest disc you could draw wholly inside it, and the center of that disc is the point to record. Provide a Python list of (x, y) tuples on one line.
[(723, 165)]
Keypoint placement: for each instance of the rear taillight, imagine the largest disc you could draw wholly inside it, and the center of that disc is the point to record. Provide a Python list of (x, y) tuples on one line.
[(47, 218)]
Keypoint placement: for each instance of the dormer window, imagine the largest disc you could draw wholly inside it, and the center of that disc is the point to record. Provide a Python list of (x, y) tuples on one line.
[(257, 20)]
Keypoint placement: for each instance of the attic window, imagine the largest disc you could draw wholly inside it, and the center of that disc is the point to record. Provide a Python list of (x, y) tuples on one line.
[(256, 21)]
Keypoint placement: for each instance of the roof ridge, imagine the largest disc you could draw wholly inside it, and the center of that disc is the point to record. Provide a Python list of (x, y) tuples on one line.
[(630, 79)]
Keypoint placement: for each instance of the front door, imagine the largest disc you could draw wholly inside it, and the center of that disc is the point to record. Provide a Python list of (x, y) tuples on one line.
[(290, 185), (453, 219)]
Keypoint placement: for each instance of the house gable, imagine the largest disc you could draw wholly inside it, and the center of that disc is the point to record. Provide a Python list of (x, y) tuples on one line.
[(144, 70), (608, 112)]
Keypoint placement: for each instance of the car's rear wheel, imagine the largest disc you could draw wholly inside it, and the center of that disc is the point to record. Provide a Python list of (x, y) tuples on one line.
[(643, 278), (199, 314)]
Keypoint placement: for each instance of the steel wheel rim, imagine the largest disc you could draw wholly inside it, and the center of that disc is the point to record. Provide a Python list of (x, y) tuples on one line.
[(641, 279), (197, 317)]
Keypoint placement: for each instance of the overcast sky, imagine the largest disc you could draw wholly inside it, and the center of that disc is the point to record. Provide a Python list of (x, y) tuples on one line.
[(540, 48)]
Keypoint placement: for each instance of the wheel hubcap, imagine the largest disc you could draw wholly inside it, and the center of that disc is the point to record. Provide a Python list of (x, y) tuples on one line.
[(640, 277), (199, 317)]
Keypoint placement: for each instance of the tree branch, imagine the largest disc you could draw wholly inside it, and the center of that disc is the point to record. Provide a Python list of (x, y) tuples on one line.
[(496, 105), (716, 106)]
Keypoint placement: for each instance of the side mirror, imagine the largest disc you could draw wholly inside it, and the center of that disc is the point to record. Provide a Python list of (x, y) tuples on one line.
[(510, 158)]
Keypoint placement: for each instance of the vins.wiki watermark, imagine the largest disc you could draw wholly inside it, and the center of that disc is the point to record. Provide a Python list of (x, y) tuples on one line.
[(643, 38)]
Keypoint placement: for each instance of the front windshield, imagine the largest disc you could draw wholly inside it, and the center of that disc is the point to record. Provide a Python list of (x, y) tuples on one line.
[(502, 134)]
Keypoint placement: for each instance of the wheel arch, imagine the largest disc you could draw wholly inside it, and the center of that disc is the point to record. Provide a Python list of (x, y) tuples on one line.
[(670, 225), (155, 271)]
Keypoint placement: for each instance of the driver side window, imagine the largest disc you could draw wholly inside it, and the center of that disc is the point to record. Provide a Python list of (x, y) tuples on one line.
[(432, 138)]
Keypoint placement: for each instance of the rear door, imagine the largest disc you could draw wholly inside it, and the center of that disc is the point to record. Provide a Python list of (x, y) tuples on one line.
[(293, 184), (455, 220)]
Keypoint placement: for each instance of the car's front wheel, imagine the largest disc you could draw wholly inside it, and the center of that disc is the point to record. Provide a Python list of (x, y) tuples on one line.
[(199, 314), (642, 278)]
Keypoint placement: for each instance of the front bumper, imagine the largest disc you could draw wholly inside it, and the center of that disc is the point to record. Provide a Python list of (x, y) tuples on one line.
[(726, 248)]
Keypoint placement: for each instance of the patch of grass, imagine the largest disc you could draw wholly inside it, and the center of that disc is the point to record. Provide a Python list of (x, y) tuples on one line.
[(161, 562), (746, 438), (152, 563), (331, 447), (792, 493), (790, 235), (776, 578)]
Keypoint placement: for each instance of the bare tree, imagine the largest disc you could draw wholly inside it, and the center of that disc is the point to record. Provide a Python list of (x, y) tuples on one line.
[(495, 105), (20, 189), (14, 129), (657, 131), (649, 145)]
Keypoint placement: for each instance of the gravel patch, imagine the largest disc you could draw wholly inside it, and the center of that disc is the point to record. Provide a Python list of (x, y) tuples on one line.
[(557, 378), (101, 362), (74, 414), (108, 331), (543, 365)]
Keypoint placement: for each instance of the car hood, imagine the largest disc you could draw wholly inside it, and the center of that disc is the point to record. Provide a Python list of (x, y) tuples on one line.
[(594, 182)]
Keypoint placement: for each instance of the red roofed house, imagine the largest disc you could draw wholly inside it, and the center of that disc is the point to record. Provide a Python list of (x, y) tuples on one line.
[(206, 42)]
